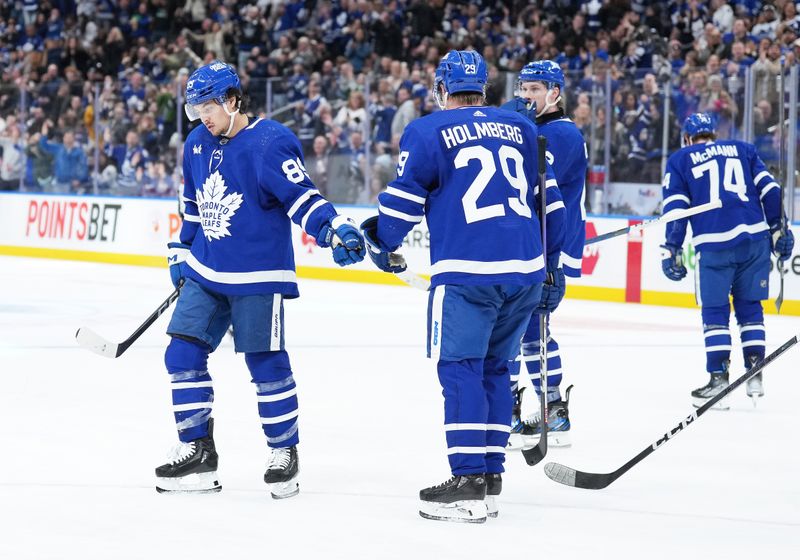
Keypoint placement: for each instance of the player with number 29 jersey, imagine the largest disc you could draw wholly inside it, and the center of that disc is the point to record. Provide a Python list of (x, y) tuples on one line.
[(727, 170), (464, 169)]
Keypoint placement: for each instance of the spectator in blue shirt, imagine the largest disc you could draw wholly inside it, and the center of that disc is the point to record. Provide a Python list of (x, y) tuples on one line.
[(71, 172)]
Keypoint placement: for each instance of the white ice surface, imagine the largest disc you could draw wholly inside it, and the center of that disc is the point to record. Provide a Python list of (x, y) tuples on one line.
[(80, 435)]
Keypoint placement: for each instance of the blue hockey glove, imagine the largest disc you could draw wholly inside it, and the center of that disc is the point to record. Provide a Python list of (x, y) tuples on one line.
[(782, 242), (347, 242), (385, 260), (672, 262), (176, 256), (554, 287)]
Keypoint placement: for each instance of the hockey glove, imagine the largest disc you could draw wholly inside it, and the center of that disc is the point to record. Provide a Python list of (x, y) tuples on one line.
[(672, 262), (347, 242), (782, 242), (553, 288), (176, 256), (385, 260)]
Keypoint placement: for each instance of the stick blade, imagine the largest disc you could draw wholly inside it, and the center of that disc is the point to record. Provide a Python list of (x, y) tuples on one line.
[(92, 341), (414, 280), (534, 455), (577, 479)]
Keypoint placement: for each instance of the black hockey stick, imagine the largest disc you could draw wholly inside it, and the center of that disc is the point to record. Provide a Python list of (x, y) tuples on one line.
[(781, 178), (535, 454), (665, 218), (90, 340), (596, 481)]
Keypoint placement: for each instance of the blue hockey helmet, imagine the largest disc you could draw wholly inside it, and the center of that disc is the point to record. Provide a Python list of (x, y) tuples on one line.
[(460, 72), (543, 71), (210, 82), (699, 123)]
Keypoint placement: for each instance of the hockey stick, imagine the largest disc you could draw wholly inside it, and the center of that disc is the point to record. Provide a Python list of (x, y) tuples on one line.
[(90, 340), (781, 178), (535, 454), (595, 481), (665, 218), (414, 280)]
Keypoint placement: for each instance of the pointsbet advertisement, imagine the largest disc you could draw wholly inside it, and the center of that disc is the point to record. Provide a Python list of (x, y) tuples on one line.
[(626, 268)]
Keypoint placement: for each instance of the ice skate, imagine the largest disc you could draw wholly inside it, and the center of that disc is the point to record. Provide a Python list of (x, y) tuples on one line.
[(282, 472), (558, 425), (515, 437), (717, 384), (755, 388), (461, 499), (494, 485), (191, 467)]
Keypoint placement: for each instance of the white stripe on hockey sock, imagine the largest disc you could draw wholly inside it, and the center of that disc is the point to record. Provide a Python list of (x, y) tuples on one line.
[(498, 428), (748, 328), (535, 357), (191, 406), (719, 348), (279, 396), (495, 449), (279, 419), (749, 343), (717, 332), (466, 450), (455, 427)]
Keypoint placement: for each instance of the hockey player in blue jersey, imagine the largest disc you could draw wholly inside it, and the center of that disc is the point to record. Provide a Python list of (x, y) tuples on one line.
[(464, 170), (244, 185), (732, 244), (539, 88)]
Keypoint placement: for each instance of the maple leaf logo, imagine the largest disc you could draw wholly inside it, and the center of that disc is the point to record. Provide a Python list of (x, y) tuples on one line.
[(216, 209)]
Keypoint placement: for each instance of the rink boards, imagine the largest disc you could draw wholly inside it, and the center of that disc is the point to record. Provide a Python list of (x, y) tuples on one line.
[(136, 230)]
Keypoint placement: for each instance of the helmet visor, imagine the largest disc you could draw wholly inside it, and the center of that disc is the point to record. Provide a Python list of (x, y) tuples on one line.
[(200, 110)]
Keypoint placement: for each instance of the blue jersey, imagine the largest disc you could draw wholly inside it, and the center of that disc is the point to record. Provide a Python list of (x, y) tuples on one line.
[(240, 196), (465, 171), (732, 172), (567, 153)]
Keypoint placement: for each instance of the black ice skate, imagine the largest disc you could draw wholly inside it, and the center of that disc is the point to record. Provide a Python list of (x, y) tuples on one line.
[(494, 485), (462, 499), (558, 425), (717, 384), (192, 467), (282, 471)]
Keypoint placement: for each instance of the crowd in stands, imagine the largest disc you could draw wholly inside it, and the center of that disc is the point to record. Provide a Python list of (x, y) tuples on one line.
[(90, 90)]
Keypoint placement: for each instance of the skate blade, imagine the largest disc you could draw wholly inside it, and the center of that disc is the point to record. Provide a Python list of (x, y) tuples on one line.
[(697, 402), (554, 439), (198, 483), (491, 507), (465, 511), (755, 397), (283, 490)]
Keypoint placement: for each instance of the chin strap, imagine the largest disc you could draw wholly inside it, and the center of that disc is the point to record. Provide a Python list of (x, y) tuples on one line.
[(233, 118), (548, 104)]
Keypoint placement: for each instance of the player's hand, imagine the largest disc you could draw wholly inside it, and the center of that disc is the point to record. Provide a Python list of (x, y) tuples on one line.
[(782, 242), (672, 262), (554, 287), (342, 235), (175, 259), (387, 261)]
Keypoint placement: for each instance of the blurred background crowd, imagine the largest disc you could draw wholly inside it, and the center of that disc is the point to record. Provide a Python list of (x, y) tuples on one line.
[(91, 90)]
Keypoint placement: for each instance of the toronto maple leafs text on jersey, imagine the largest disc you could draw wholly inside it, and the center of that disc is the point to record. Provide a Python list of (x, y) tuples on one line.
[(465, 171), (732, 172), (238, 215)]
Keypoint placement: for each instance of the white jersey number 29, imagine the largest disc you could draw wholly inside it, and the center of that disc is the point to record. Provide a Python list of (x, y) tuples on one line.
[(733, 179), (474, 213)]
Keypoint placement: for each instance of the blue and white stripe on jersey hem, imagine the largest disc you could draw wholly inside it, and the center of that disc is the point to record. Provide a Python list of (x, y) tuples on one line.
[(488, 267), (413, 218), (254, 277), (730, 234)]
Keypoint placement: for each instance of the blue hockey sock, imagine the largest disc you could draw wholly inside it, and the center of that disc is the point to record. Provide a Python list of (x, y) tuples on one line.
[(513, 372), (465, 414), (750, 316), (277, 396), (192, 389), (717, 336), (498, 420)]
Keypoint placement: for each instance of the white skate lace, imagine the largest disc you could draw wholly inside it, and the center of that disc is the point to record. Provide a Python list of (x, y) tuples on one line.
[(280, 458), (180, 452)]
